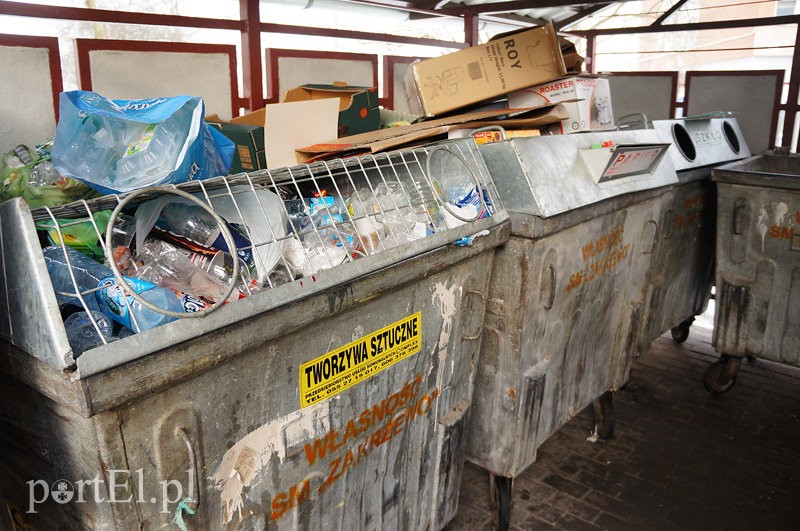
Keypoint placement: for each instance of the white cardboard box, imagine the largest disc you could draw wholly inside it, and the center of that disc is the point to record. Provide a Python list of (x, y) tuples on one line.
[(592, 113)]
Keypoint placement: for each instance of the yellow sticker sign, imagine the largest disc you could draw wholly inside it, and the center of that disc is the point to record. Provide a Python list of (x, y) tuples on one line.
[(332, 373)]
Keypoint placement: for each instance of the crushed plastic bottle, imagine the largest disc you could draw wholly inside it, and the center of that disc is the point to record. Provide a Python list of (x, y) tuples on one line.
[(82, 334), (110, 298)]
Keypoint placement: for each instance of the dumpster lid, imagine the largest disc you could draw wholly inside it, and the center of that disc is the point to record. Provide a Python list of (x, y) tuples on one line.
[(703, 140), (765, 171), (549, 175)]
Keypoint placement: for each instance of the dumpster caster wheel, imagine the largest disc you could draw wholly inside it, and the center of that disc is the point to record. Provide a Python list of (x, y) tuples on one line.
[(500, 489), (680, 333), (604, 417), (721, 375)]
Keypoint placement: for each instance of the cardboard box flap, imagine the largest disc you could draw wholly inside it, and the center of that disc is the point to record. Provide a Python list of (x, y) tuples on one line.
[(253, 118), (542, 116), (344, 92)]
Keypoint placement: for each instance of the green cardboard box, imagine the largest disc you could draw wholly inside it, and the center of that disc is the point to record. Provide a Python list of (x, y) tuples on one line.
[(358, 106), (247, 132)]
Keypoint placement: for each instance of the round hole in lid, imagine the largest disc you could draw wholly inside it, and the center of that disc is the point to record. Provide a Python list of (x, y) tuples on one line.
[(730, 136), (684, 141)]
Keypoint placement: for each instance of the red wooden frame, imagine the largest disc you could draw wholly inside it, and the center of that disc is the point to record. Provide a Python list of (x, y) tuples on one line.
[(85, 46), (54, 56), (389, 63), (673, 75), (274, 54), (779, 76)]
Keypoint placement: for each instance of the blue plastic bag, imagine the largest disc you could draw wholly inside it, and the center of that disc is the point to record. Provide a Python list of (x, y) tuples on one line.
[(122, 145)]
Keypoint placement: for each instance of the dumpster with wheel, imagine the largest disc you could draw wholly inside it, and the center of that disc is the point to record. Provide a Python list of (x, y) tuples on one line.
[(566, 291), (337, 396), (758, 265), (682, 271)]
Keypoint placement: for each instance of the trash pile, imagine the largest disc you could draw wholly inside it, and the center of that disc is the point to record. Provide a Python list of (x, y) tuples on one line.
[(169, 255), (185, 254)]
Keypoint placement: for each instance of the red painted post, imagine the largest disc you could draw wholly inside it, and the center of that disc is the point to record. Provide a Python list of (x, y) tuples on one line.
[(591, 41), (471, 36), (251, 54), (791, 107)]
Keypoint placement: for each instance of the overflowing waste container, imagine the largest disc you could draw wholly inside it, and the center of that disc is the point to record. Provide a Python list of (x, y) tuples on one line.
[(682, 271), (566, 295), (758, 265), (325, 382)]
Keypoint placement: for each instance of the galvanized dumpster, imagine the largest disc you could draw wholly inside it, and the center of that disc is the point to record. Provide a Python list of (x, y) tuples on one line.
[(758, 265), (567, 288), (682, 272), (337, 400)]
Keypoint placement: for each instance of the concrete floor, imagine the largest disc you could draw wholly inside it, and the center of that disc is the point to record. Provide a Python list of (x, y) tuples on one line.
[(680, 458)]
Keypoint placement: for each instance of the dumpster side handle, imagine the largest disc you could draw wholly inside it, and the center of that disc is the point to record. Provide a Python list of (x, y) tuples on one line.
[(482, 295), (180, 432)]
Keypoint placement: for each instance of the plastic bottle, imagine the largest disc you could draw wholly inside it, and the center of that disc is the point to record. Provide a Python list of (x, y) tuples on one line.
[(82, 334), (193, 222), (110, 299), (170, 267), (426, 208)]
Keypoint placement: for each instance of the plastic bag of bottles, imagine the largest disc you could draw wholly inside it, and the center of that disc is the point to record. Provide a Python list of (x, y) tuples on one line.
[(117, 146), (30, 174)]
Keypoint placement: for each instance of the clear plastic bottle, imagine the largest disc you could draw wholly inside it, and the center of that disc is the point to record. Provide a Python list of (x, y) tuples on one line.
[(82, 334), (110, 299), (172, 268), (191, 221)]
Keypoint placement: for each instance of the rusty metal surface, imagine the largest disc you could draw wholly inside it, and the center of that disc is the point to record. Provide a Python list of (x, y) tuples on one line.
[(565, 299), (385, 453), (560, 329), (682, 272), (758, 260)]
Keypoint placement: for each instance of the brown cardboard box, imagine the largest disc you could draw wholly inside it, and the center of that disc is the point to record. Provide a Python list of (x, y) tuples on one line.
[(507, 62), (358, 106), (247, 132)]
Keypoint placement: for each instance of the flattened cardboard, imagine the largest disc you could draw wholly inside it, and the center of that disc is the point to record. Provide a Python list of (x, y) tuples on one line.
[(289, 125), (397, 136)]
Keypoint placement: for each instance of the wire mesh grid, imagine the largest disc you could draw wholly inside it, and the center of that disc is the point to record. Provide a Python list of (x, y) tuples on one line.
[(262, 230)]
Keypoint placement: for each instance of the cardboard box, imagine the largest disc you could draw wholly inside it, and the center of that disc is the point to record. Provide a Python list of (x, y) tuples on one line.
[(247, 132), (358, 106), (592, 113), (506, 63)]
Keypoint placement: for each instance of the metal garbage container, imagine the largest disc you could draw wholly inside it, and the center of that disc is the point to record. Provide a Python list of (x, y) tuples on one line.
[(682, 271), (758, 260), (565, 299), (338, 399)]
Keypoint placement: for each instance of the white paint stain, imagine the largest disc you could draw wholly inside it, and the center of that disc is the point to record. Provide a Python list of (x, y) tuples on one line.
[(358, 332), (781, 209), (444, 298), (761, 227), (245, 460)]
